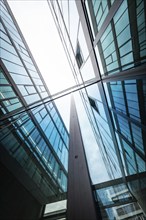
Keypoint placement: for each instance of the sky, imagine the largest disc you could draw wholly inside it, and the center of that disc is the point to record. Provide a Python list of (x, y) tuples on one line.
[(36, 23), (39, 30)]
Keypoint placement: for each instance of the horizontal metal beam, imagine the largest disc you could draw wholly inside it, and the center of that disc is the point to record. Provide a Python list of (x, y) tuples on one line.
[(55, 215), (119, 181), (119, 203), (138, 72)]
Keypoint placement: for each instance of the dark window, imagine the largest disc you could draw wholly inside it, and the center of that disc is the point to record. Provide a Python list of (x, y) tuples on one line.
[(93, 104), (79, 57)]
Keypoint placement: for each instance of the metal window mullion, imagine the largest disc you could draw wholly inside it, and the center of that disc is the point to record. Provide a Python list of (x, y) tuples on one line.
[(135, 73), (27, 48), (108, 19), (132, 147), (48, 142)]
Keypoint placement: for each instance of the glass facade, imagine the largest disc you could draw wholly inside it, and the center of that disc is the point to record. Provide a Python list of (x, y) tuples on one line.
[(128, 109), (98, 11), (105, 44), (105, 41), (116, 202), (118, 49), (32, 132)]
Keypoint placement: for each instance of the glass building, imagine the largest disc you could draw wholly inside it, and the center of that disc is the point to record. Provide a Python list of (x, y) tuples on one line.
[(33, 137), (105, 44)]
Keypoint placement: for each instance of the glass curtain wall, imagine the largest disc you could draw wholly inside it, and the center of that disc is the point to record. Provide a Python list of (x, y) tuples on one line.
[(105, 41), (35, 138)]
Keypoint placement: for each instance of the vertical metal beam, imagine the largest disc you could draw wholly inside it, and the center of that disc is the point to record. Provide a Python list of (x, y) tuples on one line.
[(80, 201)]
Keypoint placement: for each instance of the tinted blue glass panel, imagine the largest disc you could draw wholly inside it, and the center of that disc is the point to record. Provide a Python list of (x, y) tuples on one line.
[(138, 137), (32, 98), (41, 146), (141, 164), (45, 122), (129, 153), (56, 142), (53, 136), (6, 92), (14, 68), (49, 129), (124, 36)]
